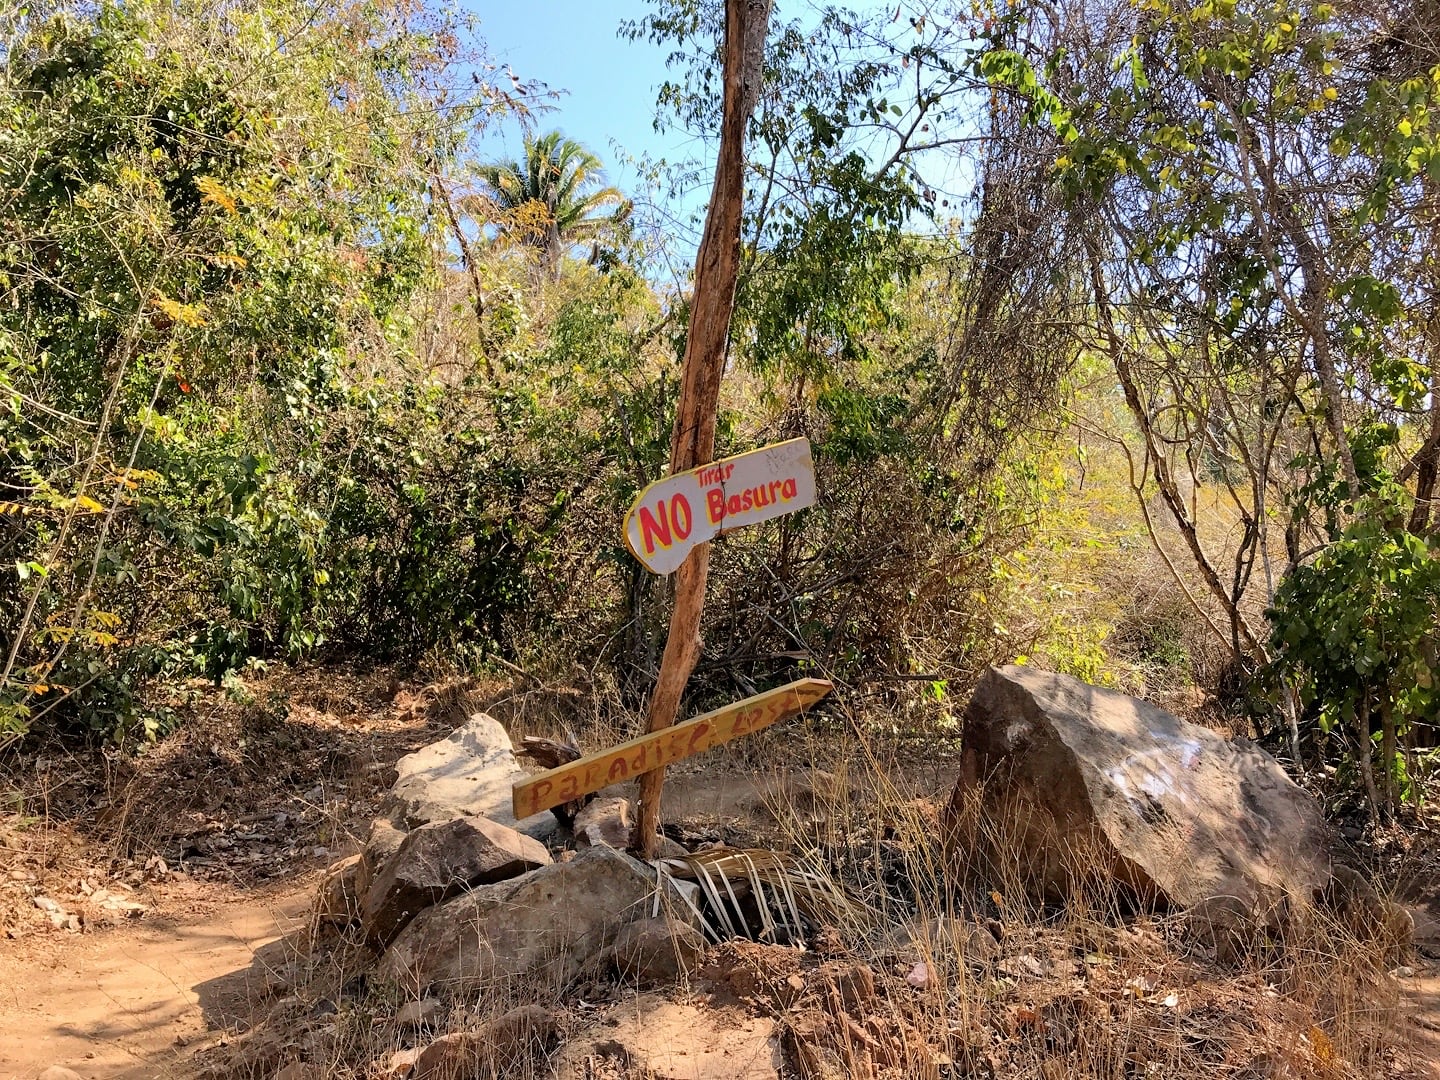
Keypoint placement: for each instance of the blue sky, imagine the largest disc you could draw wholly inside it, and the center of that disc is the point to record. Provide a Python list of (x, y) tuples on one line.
[(608, 84), (607, 87)]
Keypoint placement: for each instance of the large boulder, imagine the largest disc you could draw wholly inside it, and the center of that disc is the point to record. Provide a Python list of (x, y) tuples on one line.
[(469, 773), (550, 922), (1087, 783), (439, 860)]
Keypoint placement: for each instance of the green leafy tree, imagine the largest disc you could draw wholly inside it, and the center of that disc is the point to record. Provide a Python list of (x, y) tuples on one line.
[(210, 245), (1256, 183), (549, 199)]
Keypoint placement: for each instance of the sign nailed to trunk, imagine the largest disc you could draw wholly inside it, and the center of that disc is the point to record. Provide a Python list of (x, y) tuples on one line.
[(674, 515), (661, 748)]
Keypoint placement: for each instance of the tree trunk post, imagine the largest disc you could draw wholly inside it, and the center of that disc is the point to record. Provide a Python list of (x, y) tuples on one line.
[(712, 302)]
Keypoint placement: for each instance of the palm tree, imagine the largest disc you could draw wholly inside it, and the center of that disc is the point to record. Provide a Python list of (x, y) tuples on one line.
[(548, 201)]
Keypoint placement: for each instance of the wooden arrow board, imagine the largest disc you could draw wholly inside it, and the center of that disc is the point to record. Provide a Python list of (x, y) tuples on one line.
[(674, 515), (666, 747)]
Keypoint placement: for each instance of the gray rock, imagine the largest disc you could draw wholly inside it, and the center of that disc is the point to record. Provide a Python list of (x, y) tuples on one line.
[(665, 848), (604, 821), (657, 950), (551, 922), (338, 900), (380, 847), (438, 861), (499, 1048), (1092, 786), (470, 773), (417, 1014)]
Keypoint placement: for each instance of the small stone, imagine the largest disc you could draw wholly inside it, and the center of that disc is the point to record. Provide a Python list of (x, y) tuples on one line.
[(920, 976), (499, 1046), (552, 920), (441, 860), (604, 821), (418, 1014), (338, 900), (468, 774), (855, 983), (59, 1072), (399, 1065)]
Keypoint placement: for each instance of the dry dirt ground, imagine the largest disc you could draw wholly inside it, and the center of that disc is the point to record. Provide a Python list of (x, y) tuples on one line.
[(130, 1002), (144, 902)]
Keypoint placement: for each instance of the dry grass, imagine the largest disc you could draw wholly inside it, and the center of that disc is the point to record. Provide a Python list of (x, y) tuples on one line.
[(946, 970), (1090, 988)]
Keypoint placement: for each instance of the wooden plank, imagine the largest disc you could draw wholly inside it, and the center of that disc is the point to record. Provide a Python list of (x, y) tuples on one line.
[(661, 748), (673, 516)]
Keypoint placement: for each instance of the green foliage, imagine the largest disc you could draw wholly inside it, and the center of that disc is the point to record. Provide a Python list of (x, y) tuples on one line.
[(210, 212), (1356, 631)]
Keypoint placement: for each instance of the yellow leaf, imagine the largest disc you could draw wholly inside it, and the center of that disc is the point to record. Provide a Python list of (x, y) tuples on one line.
[(1329, 93), (185, 314), (212, 191), (225, 258), (38, 688), (84, 502), (1324, 1048), (1405, 128)]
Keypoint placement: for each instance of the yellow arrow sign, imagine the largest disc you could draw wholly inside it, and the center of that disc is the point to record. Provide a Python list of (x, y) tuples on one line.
[(666, 747)]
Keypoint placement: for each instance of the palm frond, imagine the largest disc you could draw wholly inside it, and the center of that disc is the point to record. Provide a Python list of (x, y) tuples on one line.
[(759, 894)]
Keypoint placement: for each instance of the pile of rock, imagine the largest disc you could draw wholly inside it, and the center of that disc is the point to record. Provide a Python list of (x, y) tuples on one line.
[(455, 893)]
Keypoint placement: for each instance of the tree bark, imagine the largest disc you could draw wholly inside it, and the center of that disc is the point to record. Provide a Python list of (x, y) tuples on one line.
[(711, 304), (467, 256)]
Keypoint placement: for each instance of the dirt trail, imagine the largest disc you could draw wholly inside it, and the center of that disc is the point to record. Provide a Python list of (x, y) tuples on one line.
[(125, 1004)]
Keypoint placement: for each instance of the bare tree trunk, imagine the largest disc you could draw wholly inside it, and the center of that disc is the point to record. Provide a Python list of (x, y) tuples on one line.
[(1363, 756), (467, 256), (1388, 750), (1243, 638), (712, 302)]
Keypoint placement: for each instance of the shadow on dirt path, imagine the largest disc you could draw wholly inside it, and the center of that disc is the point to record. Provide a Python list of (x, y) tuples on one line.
[(127, 1004)]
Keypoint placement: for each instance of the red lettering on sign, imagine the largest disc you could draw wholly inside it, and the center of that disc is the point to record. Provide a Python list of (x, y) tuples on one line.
[(537, 795), (701, 730), (746, 719), (789, 490), (654, 529), (618, 770), (715, 505), (678, 504)]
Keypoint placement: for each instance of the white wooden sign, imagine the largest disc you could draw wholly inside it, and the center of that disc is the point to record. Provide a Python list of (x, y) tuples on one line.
[(672, 516)]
